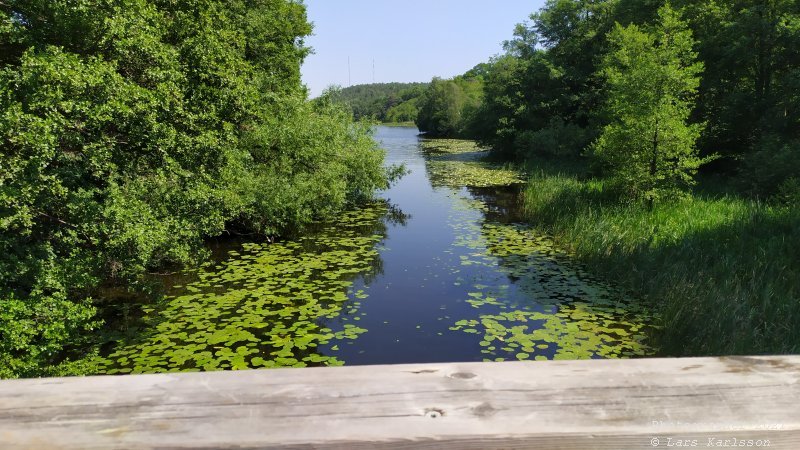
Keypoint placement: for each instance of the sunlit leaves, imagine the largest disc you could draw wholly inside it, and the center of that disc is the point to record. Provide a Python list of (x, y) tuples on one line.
[(652, 78)]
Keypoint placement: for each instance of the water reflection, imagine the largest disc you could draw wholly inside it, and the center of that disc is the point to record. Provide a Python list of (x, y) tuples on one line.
[(439, 270), (266, 305)]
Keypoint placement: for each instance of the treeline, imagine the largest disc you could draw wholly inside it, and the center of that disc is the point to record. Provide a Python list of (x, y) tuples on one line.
[(384, 102), (130, 130), (560, 85)]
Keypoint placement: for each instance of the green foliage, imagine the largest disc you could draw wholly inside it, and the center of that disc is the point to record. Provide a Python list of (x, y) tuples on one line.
[(496, 122), (311, 161), (558, 138), (384, 102), (545, 89), (40, 326), (130, 130), (651, 80), (720, 270), (404, 112), (775, 162), (543, 97), (440, 109), (750, 50), (789, 192), (447, 107)]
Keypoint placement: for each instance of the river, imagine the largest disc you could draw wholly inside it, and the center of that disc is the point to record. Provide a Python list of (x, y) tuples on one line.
[(439, 269)]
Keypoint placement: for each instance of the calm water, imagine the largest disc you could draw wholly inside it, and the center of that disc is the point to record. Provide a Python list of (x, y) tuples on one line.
[(435, 273)]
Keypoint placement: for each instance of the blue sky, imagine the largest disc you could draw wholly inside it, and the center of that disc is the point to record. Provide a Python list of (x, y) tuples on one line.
[(410, 40)]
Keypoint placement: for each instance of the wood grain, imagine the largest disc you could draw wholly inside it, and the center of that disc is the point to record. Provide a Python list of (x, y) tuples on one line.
[(599, 404)]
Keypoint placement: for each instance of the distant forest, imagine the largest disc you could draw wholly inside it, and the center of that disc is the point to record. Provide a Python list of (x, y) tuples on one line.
[(384, 102), (443, 107)]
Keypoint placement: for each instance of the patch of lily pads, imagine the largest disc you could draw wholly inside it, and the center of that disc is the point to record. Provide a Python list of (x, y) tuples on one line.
[(267, 305), (570, 331), (450, 146), (549, 308), (457, 163)]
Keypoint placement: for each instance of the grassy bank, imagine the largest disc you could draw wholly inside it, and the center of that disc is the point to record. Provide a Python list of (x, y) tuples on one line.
[(723, 272)]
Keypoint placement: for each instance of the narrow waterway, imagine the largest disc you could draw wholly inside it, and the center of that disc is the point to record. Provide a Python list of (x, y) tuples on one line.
[(439, 270)]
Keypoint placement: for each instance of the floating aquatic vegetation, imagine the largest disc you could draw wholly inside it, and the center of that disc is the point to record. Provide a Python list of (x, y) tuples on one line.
[(550, 308), (477, 299), (569, 331), (471, 173), (547, 308), (266, 306), (457, 163), (510, 293), (450, 146)]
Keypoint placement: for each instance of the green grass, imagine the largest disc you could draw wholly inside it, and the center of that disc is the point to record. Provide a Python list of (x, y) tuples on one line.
[(722, 272)]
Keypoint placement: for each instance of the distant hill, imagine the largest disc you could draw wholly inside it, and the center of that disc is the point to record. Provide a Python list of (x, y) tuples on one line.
[(385, 102)]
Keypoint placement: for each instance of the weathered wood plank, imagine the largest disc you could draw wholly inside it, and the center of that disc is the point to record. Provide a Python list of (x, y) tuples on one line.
[(602, 404)]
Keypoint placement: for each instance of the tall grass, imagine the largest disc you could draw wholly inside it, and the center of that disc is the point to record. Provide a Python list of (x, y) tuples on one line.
[(723, 272)]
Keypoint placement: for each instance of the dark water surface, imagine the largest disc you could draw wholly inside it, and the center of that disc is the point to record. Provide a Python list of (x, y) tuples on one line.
[(437, 272)]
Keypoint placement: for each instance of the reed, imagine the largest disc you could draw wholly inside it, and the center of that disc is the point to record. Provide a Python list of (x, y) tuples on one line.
[(722, 272)]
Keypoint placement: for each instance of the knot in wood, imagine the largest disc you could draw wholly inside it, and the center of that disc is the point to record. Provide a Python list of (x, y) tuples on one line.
[(434, 413)]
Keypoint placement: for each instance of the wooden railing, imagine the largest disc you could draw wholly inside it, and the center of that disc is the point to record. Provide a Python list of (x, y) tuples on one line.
[(604, 404)]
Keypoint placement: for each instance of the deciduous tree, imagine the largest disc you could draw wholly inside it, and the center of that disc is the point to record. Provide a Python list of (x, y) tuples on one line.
[(652, 76)]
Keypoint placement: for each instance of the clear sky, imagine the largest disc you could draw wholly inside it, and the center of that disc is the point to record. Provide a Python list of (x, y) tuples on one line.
[(409, 40)]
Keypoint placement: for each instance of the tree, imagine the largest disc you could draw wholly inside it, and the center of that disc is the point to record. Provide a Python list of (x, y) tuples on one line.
[(130, 130), (651, 80), (446, 107), (440, 108), (545, 88)]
